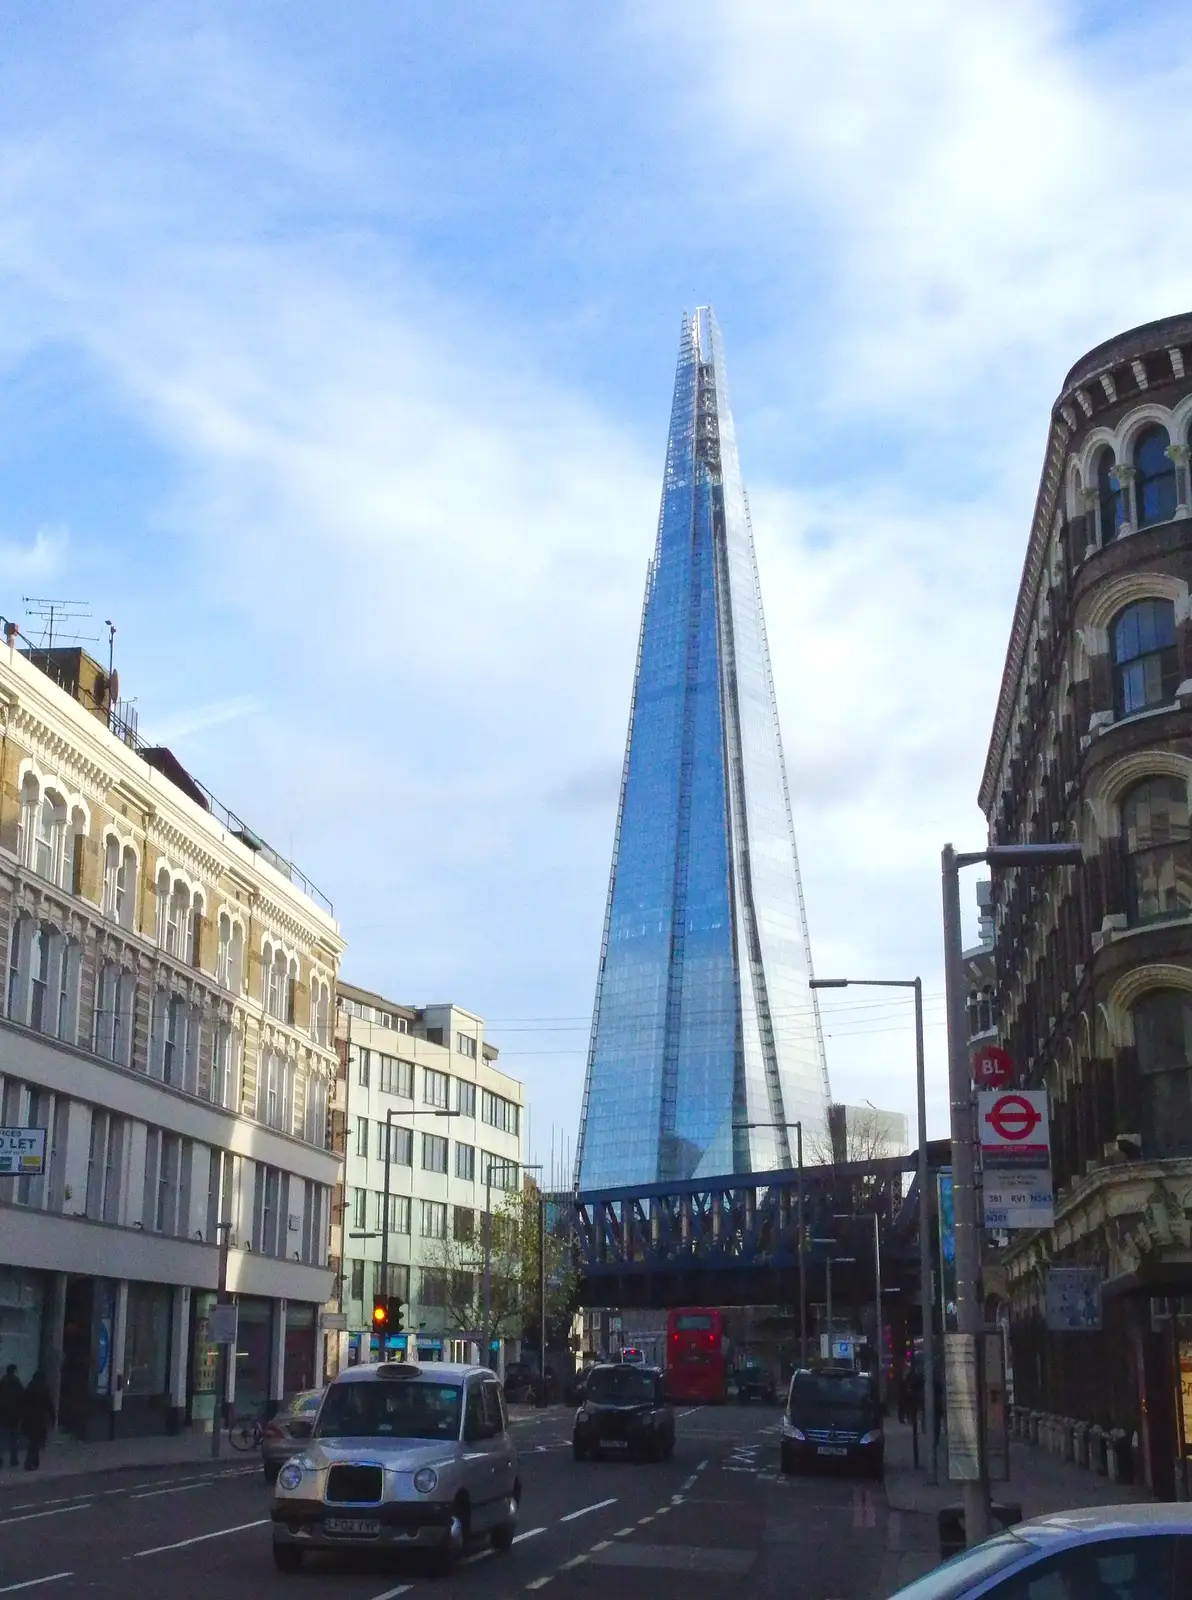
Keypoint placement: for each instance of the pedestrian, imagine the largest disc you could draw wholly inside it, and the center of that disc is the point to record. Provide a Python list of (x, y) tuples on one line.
[(11, 1393), (37, 1417)]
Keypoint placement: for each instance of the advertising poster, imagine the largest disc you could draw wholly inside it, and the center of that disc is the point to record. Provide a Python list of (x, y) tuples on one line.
[(947, 1220)]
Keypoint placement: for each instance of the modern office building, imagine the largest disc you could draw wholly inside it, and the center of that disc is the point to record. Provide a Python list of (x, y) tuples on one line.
[(703, 1020), (167, 1026), (456, 1143)]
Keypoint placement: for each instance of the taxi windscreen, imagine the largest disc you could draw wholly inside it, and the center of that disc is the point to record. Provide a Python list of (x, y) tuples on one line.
[(390, 1411)]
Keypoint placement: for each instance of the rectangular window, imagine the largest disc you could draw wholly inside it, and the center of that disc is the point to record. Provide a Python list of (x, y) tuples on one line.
[(396, 1281), (434, 1287), (362, 1136), (268, 1224), (434, 1153), (499, 1112), (397, 1077), (465, 1162), (434, 1088), (463, 1224), (465, 1098), (465, 1045), (356, 1292), (498, 1172), (399, 1213), (433, 1220), (364, 1065), (359, 1201), (403, 1146)]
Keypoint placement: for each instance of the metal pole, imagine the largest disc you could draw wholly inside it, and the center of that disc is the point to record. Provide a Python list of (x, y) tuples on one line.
[(828, 1265), (975, 1494), (802, 1258), (541, 1297), (224, 1229), (879, 1332), (486, 1330), (384, 1289), (926, 1289)]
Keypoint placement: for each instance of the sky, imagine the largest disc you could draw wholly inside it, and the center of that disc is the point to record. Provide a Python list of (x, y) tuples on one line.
[(336, 350)]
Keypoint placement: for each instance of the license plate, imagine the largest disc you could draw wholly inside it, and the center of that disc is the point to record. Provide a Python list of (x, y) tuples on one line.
[(614, 1444), (353, 1527), (831, 1450)]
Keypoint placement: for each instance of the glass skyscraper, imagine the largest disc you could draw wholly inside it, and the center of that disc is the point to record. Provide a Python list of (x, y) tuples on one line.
[(703, 1019)]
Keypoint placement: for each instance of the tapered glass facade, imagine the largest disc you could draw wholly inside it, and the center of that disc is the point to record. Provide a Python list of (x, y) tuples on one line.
[(703, 1020)]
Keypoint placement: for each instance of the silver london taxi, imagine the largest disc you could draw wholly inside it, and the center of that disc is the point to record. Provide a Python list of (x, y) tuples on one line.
[(401, 1457)]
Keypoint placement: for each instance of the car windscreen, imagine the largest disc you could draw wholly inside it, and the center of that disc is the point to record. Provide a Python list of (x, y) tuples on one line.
[(815, 1391), (390, 1409), (620, 1383)]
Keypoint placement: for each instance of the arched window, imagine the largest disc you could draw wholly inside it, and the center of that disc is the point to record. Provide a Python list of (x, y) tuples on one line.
[(111, 877), (195, 937), (1158, 849), (126, 889), (1163, 1037), (1154, 476), (163, 904), (178, 925), (114, 1000), (1109, 497), (49, 834), (1145, 659), (291, 990), (30, 796), (276, 978), (225, 1067)]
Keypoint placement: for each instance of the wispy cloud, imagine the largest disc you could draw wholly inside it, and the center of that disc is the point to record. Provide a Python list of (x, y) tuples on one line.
[(182, 724)]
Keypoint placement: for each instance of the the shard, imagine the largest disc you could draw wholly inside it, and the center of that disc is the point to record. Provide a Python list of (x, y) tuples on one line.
[(703, 1021)]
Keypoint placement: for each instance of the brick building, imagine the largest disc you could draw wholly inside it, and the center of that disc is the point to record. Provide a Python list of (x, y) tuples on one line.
[(167, 1018), (1092, 741)]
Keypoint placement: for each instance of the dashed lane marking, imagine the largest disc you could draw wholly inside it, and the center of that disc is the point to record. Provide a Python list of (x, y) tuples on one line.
[(33, 1516), (603, 1545), (178, 1488), (199, 1538), (576, 1561), (702, 1465), (641, 1521), (391, 1594), (32, 1583), (530, 1533), (540, 1583), (63, 1500), (583, 1510), (481, 1555), (623, 1533), (690, 1484)]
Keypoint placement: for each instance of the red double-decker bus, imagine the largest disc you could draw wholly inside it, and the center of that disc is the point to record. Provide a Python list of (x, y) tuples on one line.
[(697, 1355)]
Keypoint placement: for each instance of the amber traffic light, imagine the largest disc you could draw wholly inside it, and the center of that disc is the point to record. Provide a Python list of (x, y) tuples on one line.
[(380, 1313)]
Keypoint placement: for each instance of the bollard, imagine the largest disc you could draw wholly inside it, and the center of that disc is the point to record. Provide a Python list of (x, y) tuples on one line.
[(1080, 1445), (1119, 1450), (1069, 1438), (1033, 1434), (1097, 1449)]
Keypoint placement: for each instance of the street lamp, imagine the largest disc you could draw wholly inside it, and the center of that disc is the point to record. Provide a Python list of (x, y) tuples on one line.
[(926, 1294), (968, 1253), (502, 1167), (798, 1127)]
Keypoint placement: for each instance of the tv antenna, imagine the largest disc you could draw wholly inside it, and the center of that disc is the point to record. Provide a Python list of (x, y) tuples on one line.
[(56, 613)]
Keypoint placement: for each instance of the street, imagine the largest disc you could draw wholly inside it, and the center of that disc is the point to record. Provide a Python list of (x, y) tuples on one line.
[(715, 1522)]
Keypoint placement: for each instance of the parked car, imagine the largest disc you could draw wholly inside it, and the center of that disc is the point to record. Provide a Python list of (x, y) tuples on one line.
[(1134, 1552), (401, 1457), (522, 1384), (755, 1382), (287, 1430), (625, 1412), (833, 1418)]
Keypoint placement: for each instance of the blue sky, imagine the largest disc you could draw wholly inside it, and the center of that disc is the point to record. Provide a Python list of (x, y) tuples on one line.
[(337, 347)]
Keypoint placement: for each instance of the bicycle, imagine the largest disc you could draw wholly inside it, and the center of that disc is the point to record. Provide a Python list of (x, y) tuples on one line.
[(246, 1432)]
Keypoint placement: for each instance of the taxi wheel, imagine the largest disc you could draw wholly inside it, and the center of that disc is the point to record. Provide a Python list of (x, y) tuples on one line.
[(286, 1558), (449, 1552)]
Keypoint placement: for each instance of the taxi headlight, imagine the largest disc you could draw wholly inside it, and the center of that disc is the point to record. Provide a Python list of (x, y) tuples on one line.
[(290, 1475), (425, 1480)]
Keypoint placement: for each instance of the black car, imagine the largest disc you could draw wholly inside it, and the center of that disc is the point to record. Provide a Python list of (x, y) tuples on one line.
[(755, 1382), (625, 1412), (833, 1418)]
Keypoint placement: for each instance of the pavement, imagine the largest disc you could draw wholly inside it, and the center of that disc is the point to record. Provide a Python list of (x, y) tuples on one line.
[(716, 1522)]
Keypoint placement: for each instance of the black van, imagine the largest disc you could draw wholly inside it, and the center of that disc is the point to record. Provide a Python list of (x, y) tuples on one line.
[(833, 1418)]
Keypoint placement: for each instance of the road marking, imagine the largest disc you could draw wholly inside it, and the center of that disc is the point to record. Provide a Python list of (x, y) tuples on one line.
[(576, 1561), (623, 1533), (63, 1500), (583, 1511), (676, 1499), (641, 1521), (689, 1413), (34, 1515), (199, 1538), (690, 1484), (178, 1488), (391, 1594), (662, 1511), (32, 1583), (701, 1466), (603, 1545), (540, 1583), (530, 1533), (481, 1555)]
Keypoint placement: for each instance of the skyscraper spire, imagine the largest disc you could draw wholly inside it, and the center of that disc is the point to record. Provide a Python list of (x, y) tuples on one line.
[(703, 1019)]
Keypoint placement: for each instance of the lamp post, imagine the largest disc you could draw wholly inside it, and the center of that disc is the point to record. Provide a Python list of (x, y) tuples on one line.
[(967, 1228), (798, 1127), (486, 1331), (926, 1290)]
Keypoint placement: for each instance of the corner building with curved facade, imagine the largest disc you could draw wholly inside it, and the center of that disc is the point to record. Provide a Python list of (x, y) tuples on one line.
[(1092, 741), (703, 1020)]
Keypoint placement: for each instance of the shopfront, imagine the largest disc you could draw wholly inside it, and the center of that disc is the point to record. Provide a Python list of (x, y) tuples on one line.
[(254, 1347), (204, 1360), (23, 1298), (299, 1366)]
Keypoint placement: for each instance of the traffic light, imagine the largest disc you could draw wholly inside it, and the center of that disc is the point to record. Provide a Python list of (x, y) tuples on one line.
[(380, 1319), (396, 1323)]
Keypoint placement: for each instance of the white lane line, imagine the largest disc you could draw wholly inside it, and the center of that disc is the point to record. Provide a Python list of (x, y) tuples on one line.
[(641, 1521), (689, 1413), (199, 1538), (603, 1545), (32, 1583), (481, 1555), (623, 1533), (391, 1594), (576, 1561), (583, 1511), (689, 1485), (702, 1465), (540, 1583), (530, 1533), (34, 1515), (63, 1500), (178, 1488), (676, 1499)]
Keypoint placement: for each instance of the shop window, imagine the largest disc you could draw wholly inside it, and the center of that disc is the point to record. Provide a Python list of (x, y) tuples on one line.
[(146, 1339), (1163, 1037)]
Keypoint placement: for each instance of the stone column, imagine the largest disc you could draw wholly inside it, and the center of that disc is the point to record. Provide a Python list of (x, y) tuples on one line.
[(277, 1369), (53, 1334), (1178, 453), (119, 1334), (1125, 476), (179, 1356)]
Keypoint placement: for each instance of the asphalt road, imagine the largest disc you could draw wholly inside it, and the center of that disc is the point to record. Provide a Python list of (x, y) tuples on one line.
[(716, 1522)]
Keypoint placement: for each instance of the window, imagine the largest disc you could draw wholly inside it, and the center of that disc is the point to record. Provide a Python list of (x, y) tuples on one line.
[(225, 1066), (434, 1219), (465, 1162), (1157, 840), (402, 1154), (362, 1136), (269, 1224), (465, 1098), (49, 835), (463, 1224), (115, 997), (178, 922), (1146, 662), (269, 1088), (320, 1011), (229, 958), (496, 1172), (18, 942), (104, 1165), (194, 940), (359, 1201), (1113, 1569), (1163, 1037), (465, 1045), (66, 1008), (434, 1087), (399, 1212), (1109, 496), (434, 1287), (278, 977), (111, 878), (434, 1153), (288, 1078), (1154, 476), (39, 1009), (356, 1292), (397, 1077), (363, 1057), (499, 1112), (315, 1125)]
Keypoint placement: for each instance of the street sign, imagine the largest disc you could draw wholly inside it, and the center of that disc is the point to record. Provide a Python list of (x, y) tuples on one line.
[(1073, 1300), (22, 1152), (223, 1323), (1018, 1198), (1013, 1127), (992, 1067)]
